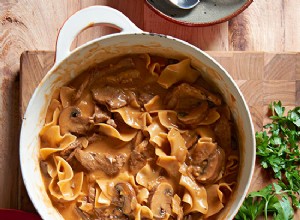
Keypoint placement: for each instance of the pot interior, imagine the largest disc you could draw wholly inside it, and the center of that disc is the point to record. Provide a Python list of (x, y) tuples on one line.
[(98, 51)]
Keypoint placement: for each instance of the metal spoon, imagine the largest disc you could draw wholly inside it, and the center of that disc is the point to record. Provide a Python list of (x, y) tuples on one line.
[(185, 4)]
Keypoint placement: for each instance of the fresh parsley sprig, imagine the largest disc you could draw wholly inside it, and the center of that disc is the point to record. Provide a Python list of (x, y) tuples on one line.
[(269, 200), (278, 150)]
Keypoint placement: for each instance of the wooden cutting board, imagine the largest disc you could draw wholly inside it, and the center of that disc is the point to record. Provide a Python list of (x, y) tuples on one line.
[(262, 78)]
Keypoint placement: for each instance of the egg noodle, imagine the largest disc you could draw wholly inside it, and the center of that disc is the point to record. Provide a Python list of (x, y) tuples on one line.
[(139, 137)]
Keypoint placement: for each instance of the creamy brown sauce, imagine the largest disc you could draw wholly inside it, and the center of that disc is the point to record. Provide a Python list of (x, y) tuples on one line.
[(139, 137)]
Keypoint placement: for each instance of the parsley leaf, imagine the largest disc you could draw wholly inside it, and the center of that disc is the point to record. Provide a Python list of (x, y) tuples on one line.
[(278, 150), (268, 200)]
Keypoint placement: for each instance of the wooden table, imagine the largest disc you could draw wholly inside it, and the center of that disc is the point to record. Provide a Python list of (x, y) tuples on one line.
[(33, 25)]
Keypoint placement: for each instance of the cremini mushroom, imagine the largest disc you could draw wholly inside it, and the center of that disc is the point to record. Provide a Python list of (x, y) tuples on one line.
[(71, 120), (207, 161), (161, 200), (125, 197)]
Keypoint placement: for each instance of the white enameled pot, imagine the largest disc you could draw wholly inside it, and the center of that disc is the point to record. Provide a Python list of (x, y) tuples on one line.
[(129, 41)]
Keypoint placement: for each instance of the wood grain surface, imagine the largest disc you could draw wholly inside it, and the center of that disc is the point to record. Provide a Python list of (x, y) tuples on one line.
[(262, 78), (33, 25)]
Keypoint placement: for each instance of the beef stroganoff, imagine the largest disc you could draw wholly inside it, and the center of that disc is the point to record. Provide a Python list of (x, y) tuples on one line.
[(139, 137)]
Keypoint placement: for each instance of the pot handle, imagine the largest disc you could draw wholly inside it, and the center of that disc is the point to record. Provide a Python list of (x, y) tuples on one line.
[(86, 18)]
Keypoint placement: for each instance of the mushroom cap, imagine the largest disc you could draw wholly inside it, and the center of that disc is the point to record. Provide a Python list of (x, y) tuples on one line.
[(207, 161), (161, 200), (125, 197), (71, 120)]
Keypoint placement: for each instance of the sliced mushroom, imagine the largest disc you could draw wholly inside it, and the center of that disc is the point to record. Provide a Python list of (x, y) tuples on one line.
[(207, 161), (101, 114), (71, 120), (125, 197), (161, 200)]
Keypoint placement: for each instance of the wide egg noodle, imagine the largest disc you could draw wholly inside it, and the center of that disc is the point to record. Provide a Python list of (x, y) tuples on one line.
[(206, 131), (51, 140), (143, 212), (232, 164), (188, 202), (214, 200), (54, 104), (153, 68), (143, 195), (123, 135), (157, 133), (176, 206), (86, 105), (51, 167), (65, 185), (133, 117), (103, 197), (169, 163), (168, 119), (55, 142), (178, 148), (231, 169), (178, 72), (212, 116), (85, 206), (198, 194), (82, 201), (147, 177), (154, 104)]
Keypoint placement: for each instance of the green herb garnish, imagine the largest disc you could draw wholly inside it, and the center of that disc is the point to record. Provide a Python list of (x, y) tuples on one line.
[(269, 200), (278, 150)]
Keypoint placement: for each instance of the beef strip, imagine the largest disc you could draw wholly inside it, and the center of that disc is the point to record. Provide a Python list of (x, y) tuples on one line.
[(101, 114), (109, 164), (124, 77), (98, 75), (223, 132), (91, 194), (144, 98), (190, 138), (109, 213), (136, 162), (95, 137), (185, 96), (82, 87), (69, 152), (111, 96), (111, 122), (138, 157)]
